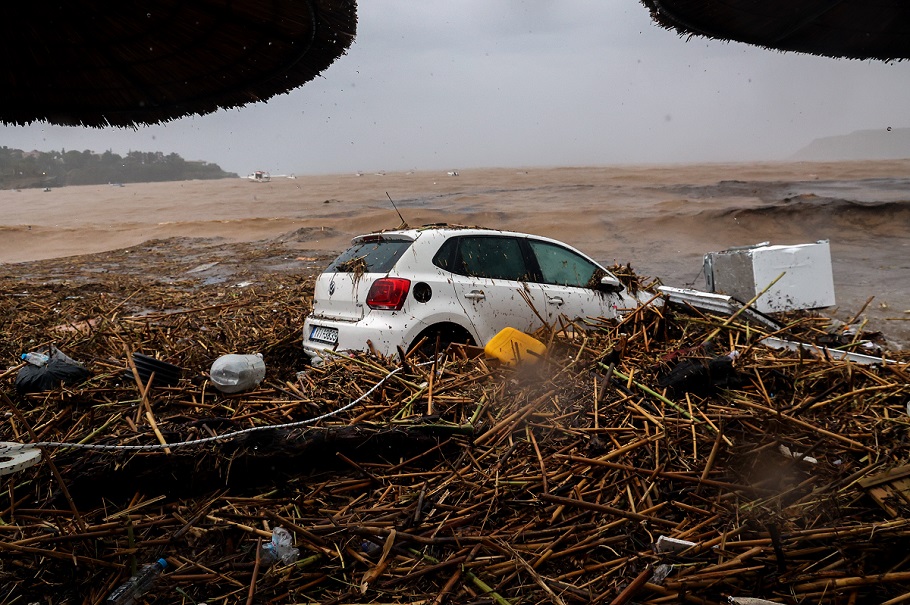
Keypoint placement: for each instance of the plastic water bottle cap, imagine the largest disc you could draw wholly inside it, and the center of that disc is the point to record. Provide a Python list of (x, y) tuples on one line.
[(38, 359)]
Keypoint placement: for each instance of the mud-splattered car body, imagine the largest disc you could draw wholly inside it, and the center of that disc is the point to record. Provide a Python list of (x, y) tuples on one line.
[(393, 290)]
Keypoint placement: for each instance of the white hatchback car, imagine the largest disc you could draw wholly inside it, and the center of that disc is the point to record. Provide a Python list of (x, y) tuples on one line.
[(393, 290)]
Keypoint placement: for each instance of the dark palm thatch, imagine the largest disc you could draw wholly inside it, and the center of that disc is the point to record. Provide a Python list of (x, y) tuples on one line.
[(130, 63), (854, 29)]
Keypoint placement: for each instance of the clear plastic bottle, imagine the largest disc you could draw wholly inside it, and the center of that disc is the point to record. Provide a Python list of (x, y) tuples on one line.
[(235, 373), (36, 359), (130, 591), (280, 549)]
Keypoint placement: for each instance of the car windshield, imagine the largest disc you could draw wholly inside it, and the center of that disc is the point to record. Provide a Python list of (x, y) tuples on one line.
[(375, 256)]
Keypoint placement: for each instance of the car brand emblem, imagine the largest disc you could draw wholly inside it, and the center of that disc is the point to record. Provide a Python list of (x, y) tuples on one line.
[(331, 288)]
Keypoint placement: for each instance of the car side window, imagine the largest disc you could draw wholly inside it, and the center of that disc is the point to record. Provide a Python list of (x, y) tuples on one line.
[(445, 256), (563, 267), (490, 256)]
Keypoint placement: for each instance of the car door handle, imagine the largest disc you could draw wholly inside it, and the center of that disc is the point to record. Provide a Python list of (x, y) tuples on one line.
[(556, 300), (475, 295)]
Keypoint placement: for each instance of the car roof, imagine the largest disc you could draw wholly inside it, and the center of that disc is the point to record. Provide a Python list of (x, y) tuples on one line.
[(437, 229), (440, 231)]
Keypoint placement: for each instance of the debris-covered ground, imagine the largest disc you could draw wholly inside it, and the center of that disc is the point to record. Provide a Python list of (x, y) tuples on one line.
[(669, 458)]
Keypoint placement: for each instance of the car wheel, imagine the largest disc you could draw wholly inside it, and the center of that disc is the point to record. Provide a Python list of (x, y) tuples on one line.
[(438, 338)]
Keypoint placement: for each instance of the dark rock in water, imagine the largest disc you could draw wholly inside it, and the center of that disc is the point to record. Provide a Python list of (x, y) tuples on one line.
[(700, 376)]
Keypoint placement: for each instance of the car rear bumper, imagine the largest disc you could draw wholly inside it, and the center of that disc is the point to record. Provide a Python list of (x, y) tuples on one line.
[(380, 332)]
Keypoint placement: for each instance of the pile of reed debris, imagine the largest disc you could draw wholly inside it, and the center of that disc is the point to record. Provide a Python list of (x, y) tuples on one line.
[(631, 464)]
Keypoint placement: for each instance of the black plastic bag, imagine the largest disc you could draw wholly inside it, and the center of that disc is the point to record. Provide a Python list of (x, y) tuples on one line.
[(59, 369), (700, 376)]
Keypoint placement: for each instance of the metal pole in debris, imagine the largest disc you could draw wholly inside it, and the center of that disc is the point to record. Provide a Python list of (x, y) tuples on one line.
[(730, 319)]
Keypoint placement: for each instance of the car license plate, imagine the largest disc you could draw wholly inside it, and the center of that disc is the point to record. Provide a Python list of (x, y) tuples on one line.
[(323, 334)]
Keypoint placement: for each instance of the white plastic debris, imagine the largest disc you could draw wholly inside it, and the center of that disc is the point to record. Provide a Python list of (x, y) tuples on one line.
[(783, 449), (824, 352), (665, 544), (15, 457), (660, 573), (280, 549), (234, 373)]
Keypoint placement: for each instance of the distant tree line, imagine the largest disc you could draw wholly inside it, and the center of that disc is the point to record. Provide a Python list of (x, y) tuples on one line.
[(20, 169)]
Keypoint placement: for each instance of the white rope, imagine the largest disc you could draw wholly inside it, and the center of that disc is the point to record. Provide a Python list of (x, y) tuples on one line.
[(7, 449)]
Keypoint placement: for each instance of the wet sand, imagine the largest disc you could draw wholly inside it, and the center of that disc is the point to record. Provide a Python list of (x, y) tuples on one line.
[(660, 219)]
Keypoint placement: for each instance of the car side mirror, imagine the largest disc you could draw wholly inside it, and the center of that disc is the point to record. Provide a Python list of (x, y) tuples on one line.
[(609, 283)]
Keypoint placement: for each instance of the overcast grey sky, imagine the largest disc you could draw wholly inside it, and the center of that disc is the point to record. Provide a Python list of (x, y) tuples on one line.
[(478, 83)]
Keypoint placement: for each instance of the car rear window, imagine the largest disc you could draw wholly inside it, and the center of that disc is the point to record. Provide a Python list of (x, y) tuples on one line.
[(377, 256)]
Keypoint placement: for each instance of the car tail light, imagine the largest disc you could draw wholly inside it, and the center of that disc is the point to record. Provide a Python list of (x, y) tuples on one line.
[(388, 293)]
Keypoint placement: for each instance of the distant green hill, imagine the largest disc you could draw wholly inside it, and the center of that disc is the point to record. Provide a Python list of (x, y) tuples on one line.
[(882, 144), (22, 169)]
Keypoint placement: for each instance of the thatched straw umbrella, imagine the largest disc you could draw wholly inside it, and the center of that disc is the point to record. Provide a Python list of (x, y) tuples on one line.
[(854, 29), (130, 63)]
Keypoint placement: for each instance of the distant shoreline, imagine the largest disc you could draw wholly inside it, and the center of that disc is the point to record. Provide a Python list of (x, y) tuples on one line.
[(874, 166), (623, 167)]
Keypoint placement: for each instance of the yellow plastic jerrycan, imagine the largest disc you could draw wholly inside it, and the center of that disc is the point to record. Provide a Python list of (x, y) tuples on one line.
[(512, 346)]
